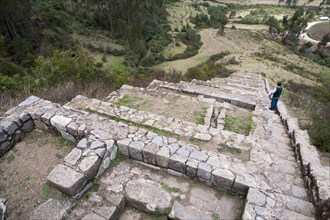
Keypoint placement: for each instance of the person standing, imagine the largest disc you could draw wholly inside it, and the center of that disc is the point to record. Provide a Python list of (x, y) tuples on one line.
[(275, 95)]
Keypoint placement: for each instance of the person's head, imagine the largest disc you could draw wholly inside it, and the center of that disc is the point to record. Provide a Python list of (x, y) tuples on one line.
[(279, 84)]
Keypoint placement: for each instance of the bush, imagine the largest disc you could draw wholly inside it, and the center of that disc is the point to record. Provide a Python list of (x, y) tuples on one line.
[(207, 71)]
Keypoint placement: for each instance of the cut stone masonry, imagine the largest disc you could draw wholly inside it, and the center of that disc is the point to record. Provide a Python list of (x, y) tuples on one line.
[(271, 179)]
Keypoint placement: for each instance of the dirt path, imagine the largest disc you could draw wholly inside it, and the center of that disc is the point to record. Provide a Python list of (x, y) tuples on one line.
[(23, 173)]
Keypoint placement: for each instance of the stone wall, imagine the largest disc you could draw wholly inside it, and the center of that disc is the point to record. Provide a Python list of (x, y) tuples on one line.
[(315, 176)]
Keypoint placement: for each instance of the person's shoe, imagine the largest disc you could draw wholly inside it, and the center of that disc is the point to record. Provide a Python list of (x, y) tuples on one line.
[(271, 109)]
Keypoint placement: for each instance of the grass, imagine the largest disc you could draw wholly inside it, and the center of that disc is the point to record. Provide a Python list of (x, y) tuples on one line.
[(172, 49), (215, 216), (119, 158), (65, 144), (50, 192), (8, 158), (167, 188), (227, 148), (197, 142), (239, 124), (132, 101), (199, 116), (116, 61)]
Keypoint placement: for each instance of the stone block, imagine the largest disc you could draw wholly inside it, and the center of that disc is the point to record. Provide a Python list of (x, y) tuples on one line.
[(82, 144), (89, 166), (249, 212), (101, 134), (149, 153), (173, 147), (53, 209), (97, 144), (183, 152), (108, 212), (9, 126), (73, 157), (123, 146), (223, 178), (148, 196), (214, 161), (158, 140), (73, 129), (24, 117), (45, 118), (178, 163), (163, 157), (67, 136), (60, 122), (28, 126), (135, 150), (204, 171), (200, 156), (203, 137), (192, 166), (256, 197), (117, 200), (3, 136), (240, 186), (93, 216), (66, 179), (41, 125)]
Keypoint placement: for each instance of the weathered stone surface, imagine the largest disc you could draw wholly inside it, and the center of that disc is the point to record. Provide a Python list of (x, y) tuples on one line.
[(123, 146), (178, 163), (214, 161), (60, 122), (89, 165), (73, 129), (101, 134), (9, 126), (173, 148), (183, 152), (149, 153), (73, 157), (28, 126), (92, 216), (82, 144), (256, 197), (182, 212), (135, 150), (29, 101), (3, 136), (108, 212), (223, 178), (200, 156), (158, 140), (148, 196), (240, 186), (97, 144), (66, 179), (45, 118), (299, 192), (204, 171), (192, 166), (24, 117), (52, 209), (299, 206), (163, 157), (117, 200), (203, 137)]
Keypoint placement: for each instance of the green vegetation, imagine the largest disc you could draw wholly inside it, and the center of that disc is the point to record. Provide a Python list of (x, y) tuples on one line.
[(119, 158), (8, 157), (227, 148), (239, 124), (169, 189), (132, 101), (199, 116), (215, 216), (50, 192)]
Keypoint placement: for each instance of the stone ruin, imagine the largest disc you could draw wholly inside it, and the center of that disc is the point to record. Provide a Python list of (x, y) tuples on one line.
[(282, 178)]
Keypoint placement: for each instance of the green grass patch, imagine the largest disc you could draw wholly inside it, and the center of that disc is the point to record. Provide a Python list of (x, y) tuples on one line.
[(65, 144), (227, 148), (199, 116), (132, 101), (197, 142), (119, 158), (116, 62), (50, 192), (215, 216), (167, 188), (173, 49), (239, 124), (8, 158)]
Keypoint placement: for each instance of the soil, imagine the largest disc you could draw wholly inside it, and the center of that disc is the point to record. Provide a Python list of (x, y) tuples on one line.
[(24, 170), (168, 106)]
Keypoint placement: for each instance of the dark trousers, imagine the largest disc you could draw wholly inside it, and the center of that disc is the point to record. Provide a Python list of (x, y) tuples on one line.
[(274, 103)]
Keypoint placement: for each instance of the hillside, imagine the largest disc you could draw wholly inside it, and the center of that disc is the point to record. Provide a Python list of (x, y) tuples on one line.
[(49, 54)]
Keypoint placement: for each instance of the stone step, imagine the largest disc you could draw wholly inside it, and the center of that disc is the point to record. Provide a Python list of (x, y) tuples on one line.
[(246, 100), (299, 206)]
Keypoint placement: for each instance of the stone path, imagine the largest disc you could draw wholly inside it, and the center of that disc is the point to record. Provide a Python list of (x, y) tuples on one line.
[(272, 180)]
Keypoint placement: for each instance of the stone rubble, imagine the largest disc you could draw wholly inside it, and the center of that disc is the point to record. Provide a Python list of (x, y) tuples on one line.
[(271, 179)]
